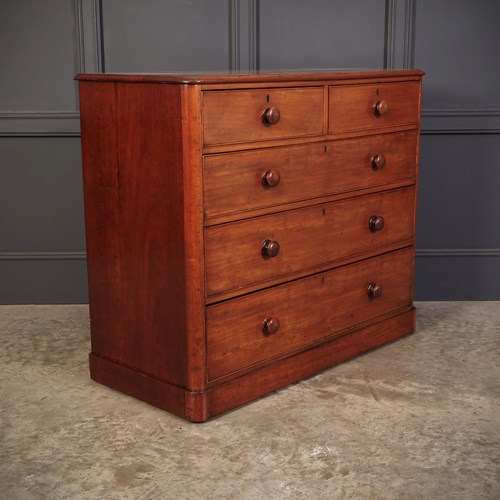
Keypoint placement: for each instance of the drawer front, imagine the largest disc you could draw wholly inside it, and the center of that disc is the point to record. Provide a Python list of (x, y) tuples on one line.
[(372, 106), (236, 182), (239, 115), (242, 332), (235, 252)]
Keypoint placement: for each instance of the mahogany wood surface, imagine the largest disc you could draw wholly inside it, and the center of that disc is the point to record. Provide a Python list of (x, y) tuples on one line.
[(307, 237), (237, 116), (245, 230), (353, 108), (137, 283), (233, 182), (307, 310), (274, 376), (254, 76), (193, 245)]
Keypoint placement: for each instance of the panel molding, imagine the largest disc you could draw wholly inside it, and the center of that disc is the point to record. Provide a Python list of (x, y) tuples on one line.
[(42, 256), (89, 57), (234, 35), (458, 252), (390, 34), (409, 34), (88, 29), (461, 121), (39, 124), (254, 35)]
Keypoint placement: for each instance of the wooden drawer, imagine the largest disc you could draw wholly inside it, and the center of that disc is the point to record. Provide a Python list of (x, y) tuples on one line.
[(237, 115), (307, 310), (355, 107), (307, 237), (235, 182)]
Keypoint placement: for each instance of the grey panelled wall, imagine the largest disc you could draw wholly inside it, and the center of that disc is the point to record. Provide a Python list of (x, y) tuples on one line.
[(44, 43)]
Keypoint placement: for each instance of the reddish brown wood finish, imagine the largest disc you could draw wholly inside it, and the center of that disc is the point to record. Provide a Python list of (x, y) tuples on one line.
[(307, 238), (267, 77), (237, 116), (308, 310), (274, 376), (186, 247), (233, 182), (137, 271), (355, 108)]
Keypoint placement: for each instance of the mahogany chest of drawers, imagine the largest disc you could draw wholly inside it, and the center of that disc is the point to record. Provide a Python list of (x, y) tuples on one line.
[(245, 231)]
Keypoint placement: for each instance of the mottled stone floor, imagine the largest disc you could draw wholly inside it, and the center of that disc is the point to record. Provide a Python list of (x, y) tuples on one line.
[(417, 419)]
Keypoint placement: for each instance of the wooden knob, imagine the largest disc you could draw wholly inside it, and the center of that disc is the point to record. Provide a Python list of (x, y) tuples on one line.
[(271, 115), (378, 161), (271, 178), (374, 290), (270, 326), (381, 107), (376, 223), (270, 248)]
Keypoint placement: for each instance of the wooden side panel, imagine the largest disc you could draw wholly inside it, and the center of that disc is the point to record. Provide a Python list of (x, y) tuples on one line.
[(234, 182), (102, 216), (236, 116), (135, 226), (307, 310), (307, 237), (352, 107), (193, 237)]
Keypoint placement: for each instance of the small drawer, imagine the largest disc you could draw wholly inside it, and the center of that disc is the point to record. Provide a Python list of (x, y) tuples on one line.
[(372, 106), (238, 182), (241, 253), (261, 114), (248, 330)]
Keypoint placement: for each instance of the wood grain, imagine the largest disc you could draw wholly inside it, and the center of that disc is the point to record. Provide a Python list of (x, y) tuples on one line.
[(308, 237), (307, 310), (249, 76), (233, 182), (352, 107), (189, 310), (236, 116), (135, 226), (276, 375)]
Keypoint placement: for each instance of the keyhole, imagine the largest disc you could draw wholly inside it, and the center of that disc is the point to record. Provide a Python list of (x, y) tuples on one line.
[(324, 211), (267, 97), (377, 91)]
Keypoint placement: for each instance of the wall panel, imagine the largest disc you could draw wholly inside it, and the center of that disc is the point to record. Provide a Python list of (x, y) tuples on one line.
[(41, 202), (44, 43), (457, 41), (38, 55), (159, 35), (321, 33)]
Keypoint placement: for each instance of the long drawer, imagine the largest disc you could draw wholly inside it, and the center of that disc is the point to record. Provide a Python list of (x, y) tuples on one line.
[(372, 106), (248, 330), (244, 252), (236, 182), (261, 114)]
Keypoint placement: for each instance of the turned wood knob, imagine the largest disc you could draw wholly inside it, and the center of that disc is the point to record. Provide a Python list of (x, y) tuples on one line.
[(381, 107), (270, 248), (378, 161), (270, 326), (271, 115), (271, 178), (374, 290), (376, 223)]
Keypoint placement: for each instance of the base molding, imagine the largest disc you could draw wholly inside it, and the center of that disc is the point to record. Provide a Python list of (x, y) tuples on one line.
[(200, 406)]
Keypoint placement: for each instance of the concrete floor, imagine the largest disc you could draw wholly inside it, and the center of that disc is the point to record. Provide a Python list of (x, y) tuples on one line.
[(418, 419)]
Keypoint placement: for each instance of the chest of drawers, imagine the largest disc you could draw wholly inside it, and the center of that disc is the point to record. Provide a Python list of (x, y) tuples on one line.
[(245, 231)]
